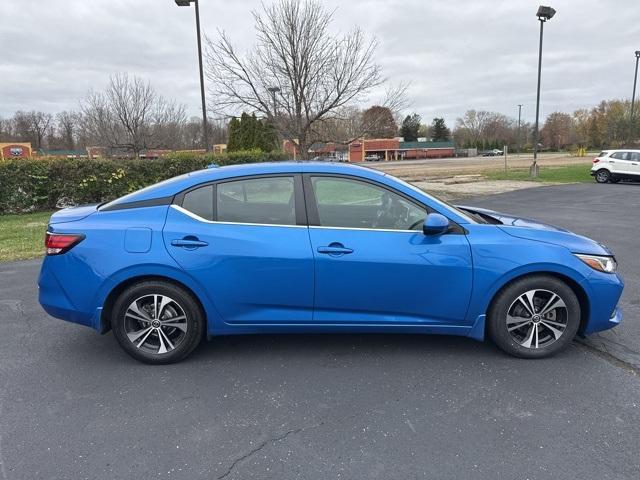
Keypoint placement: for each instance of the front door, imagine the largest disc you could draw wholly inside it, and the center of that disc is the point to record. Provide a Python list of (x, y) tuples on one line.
[(373, 264), (246, 242)]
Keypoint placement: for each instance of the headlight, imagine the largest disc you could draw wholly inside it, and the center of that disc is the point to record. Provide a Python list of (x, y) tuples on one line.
[(599, 262)]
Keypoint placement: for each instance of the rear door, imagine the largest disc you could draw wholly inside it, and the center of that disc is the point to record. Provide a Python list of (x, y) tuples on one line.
[(245, 241), (620, 163), (373, 264)]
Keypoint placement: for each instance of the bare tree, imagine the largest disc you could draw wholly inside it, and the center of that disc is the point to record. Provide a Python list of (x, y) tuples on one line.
[(129, 115), (32, 127), (67, 122), (6, 130), (298, 73)]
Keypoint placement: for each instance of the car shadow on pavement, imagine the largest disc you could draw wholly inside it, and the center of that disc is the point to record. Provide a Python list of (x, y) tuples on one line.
[(309, 349)]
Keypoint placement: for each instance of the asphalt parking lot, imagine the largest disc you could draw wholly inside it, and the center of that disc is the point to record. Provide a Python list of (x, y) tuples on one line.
[(74, 406)]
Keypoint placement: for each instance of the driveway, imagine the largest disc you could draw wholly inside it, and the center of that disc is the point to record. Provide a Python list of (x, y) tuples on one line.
[(73, 406)]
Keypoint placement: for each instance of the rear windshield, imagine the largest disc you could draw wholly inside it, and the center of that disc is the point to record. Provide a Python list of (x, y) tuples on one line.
[(603, 154)]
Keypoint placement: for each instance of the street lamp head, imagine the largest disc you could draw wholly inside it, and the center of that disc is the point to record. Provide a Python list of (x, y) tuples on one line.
[(545, 13), (183, 3), (274, 89), (637, 53)]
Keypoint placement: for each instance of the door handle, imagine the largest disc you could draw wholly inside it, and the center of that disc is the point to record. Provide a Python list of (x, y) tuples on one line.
[(633, 163), (335, 249), (189, 242)]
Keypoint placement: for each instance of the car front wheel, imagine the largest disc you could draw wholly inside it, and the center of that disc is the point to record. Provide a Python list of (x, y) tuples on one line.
[(157, 322), (603, 176), (534, 317)]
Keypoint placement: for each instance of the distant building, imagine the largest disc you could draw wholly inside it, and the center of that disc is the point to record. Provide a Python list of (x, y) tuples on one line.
[(15, 150), (63, 153), (385, 149), (330, 150)]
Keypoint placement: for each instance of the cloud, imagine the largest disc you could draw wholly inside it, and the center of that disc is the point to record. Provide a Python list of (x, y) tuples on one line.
[(458, 55)]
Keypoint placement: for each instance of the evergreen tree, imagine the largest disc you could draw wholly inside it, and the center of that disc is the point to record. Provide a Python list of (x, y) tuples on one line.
[(439, 130), (249, 133), (233, 144), (410, 127)]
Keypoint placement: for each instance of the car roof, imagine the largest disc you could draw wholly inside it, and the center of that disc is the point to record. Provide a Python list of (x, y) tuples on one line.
[(621, 150), (177, 184)]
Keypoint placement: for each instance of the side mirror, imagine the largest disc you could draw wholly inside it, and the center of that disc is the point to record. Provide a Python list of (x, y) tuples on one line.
[(435, 224)]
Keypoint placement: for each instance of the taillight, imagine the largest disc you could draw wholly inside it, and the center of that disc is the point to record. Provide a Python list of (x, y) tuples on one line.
[(57, 243), (596, 160)]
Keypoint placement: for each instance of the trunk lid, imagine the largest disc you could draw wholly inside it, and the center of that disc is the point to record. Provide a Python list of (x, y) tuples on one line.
[(73, 214)]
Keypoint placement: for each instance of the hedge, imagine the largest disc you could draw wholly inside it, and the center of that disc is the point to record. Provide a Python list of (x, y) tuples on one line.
[(47, 183)]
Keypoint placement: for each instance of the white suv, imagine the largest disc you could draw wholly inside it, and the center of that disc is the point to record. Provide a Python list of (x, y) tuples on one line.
[(615, 165)]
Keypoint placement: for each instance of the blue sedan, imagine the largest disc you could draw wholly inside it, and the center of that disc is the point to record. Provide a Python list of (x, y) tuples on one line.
[(317, 247)]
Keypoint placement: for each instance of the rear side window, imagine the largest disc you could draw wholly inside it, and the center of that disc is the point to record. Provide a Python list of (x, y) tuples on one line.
[(200, 202), (634, 156), (620, 155), (266, 200)]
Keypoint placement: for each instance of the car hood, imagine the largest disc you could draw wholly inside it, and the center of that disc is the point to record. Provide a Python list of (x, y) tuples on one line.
[(529, 229)]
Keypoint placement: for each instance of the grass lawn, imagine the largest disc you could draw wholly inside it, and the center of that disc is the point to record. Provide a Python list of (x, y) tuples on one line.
[(564, 174), (22, 236)]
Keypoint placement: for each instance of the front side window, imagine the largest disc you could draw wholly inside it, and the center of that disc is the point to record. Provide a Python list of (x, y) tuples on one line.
[(200, 202), (350, 203), (634, 156), (267, 200)]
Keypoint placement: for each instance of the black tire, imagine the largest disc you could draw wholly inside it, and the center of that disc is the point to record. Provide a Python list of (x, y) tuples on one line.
[(179, 329), (504, 309), (603, 175)]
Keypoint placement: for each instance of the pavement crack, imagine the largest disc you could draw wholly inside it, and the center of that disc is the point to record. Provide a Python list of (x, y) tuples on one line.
[(269, 441), (609, 357)]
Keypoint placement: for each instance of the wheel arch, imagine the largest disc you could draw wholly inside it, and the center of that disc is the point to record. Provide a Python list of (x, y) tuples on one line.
[(572, 283), (116, 291)]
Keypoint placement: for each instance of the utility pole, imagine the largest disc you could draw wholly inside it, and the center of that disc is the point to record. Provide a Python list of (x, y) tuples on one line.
[(205, 126), (544, 14), (518, 131), (633, 97)]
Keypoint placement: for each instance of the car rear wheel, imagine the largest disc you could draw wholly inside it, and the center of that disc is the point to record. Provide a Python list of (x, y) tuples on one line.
[(534, 317), (603, 176), (157, 322)]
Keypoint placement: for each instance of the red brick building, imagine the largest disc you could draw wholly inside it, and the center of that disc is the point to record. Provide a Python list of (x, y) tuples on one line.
[(394, 149)]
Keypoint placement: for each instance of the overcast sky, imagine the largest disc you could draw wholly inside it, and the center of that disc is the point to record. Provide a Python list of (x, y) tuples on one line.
[(456, 55)]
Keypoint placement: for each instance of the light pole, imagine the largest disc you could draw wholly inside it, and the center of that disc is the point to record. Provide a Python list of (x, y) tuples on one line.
[(544, 14), (518, 131), (273, 91), (205, 127), (633, 97)]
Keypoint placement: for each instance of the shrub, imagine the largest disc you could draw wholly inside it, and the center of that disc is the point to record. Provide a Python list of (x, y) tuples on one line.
[(44, 183)]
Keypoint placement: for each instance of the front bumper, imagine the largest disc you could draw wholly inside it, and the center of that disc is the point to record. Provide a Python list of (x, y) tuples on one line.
[(603, 291)]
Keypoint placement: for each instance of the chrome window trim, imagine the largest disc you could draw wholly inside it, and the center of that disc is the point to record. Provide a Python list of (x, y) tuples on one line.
[(325, 227), (204, 220)]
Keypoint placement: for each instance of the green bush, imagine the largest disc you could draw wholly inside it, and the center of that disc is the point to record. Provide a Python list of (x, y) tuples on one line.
[(45, 183)]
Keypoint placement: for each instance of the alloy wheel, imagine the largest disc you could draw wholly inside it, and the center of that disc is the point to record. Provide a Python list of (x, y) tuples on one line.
[(602, 176), (155, 323), (537, 318)]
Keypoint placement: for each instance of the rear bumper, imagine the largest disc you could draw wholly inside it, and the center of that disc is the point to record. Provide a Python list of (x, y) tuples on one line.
[(57, 303)]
